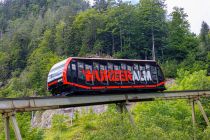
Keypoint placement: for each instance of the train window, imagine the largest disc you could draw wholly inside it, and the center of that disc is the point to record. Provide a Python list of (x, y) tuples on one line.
[(95, 66), (117, 76), (123, 66), (116, 67), (80, 70), (147, 67), (110, 66), (153, 71), (136, 77), (147, 75), (73, 66), (160, 74), (129, 68), (142, 71), (103, 67), (142, 68), (135, 67), (88, 67)]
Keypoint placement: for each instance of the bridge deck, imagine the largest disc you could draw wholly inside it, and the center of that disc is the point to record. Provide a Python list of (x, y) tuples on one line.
[(44, 103)]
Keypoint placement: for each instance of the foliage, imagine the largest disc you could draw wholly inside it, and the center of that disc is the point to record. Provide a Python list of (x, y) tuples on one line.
[(169, 68), (27, 132), (191, 81), (153, 120)]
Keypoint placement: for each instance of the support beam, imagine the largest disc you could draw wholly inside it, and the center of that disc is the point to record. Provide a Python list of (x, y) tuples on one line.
[(121, 107), (125, 106), (6, 127), (193, 118), (203, 112), (16, 128)]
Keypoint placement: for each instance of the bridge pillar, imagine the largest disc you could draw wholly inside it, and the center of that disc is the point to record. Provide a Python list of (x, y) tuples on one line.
[(6, 126), (203, 112), (123, 107), (7, 117), (193, 101)]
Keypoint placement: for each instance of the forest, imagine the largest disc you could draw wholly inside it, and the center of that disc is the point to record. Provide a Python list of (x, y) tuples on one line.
[(34, 35)]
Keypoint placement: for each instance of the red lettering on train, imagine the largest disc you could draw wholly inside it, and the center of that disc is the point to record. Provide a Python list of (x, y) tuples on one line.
[(110, 75)]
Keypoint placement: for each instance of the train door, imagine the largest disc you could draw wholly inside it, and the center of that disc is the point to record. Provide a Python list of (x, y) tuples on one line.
[(72, 72)]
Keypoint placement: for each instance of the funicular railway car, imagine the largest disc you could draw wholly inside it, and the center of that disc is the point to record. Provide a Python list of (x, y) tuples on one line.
[(82, 75)]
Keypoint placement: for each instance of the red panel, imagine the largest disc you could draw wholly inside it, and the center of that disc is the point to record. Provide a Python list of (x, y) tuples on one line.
[(161, 83), (126, 87), (115, 87), (99, 87), (78, 85), (65, 70), (52, 83), (139, 86)]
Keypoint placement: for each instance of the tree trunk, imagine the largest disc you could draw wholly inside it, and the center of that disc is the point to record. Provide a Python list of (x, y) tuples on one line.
[(121, 39), (153, 45), (113, 47)]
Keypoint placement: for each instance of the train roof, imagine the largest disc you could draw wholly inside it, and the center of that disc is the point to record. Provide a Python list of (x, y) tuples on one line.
[(110, 59)]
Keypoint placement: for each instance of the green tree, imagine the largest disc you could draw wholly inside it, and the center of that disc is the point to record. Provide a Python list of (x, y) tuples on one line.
[(204, 46), (153, 23), (59, 38), (177, 34)]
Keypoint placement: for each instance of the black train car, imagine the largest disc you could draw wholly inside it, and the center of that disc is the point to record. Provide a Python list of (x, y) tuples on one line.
[(77, 75)]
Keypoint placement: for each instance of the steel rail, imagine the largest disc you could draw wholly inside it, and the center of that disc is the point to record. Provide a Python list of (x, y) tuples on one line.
[(44, 103)]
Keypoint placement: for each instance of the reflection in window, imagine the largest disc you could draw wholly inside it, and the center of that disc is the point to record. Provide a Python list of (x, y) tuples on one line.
[(73, 66), (116, 67), (123, 66), (110, 66), (129, 68), (135, 67), (80, 70), (95, 66)]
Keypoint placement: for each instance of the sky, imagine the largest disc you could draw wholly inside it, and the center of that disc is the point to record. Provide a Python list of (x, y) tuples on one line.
[(197, 11)]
